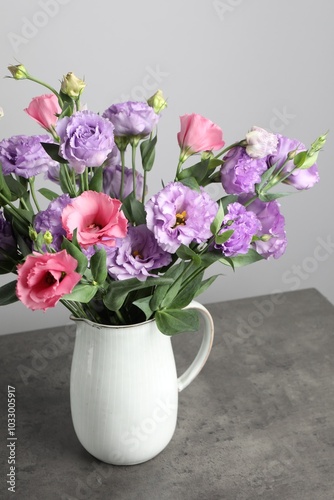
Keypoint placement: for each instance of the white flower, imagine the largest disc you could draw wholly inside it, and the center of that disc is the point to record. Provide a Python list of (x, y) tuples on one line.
[(260, 143), (1, 112)]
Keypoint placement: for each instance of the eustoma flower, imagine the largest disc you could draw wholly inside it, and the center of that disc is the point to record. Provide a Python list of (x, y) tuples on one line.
[(300, 178), (97, 218), (25, 156), (198, 134), (51, 220), (260, 143), (136, 255), (244, 224), (43, 109), (240, 172), (132, 119), (179, 215), (272, 236), (86, 140), (44, 279)]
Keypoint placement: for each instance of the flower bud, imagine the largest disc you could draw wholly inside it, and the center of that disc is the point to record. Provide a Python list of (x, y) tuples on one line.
[(260, 143), (19, 72), (48, 238), (157, 101), (32, 234), (72, 86), (265, 237)]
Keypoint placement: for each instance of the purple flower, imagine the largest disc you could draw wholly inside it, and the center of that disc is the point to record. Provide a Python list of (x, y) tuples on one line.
[(112, 182), (244, 224), (300, 178), (113, 158), (50, 220), (86, 139), (7, 240), (24, 155), (240, 172), (179, 215), (137, 255), (272, 235), (132, 118)]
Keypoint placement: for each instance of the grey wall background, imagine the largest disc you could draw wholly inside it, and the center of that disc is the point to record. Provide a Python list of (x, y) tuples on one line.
[(240, 63)]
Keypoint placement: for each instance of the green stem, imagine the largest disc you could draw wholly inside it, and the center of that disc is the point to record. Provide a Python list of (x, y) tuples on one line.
[(133, 161), (33, 79), (144, 187), (13, 207), (122, 173), (33, 192), (223, 151)]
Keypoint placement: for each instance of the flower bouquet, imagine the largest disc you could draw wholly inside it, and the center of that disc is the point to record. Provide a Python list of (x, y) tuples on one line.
[(100, 248)]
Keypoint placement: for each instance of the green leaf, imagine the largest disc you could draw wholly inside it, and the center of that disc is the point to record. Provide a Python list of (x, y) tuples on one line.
[(134, 210), (187, 293), (4, 189), (197, 171), (96, 182), (161, 292), (17, 190), (8, 293), (172, 321), (76, 254), (81, 293), (265, 177), (64, 180), (119, 290), (53, 151), (48, 194), (211, 257), (218, 220), (222, 238), (246, 259), (186, 253), (191, 182), (205, 285), (147, 151), (144, 305), (98, 266), (271, 196)]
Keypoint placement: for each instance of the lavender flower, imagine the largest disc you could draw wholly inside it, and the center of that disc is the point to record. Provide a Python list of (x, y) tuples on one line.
[(86, 139), (272, 235), (7, 240), (132, 118), (25, 156), (179, 215), (113, 158), (112, 182), (136, 255), (240, 172), (300, 178), (244, 224), (50, 220)]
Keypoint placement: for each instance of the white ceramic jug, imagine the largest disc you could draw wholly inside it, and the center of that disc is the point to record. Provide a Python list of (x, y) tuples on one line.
[(124, 388)]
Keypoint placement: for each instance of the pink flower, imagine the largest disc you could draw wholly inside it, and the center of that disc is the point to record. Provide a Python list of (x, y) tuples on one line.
[(44, 278), (43, 109), (199, 134), (97, 217)]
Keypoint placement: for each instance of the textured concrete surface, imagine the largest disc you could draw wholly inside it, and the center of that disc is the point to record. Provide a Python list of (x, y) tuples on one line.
[(257, 423)]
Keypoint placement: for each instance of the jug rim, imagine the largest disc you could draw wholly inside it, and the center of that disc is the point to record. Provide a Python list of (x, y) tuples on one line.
[(99, 326)]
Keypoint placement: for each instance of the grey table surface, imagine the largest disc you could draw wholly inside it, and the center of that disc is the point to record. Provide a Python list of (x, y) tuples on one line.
[(257, 423)]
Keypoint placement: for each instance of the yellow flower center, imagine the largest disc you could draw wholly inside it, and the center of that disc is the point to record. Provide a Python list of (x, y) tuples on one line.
[(135, 253), (180, 219)]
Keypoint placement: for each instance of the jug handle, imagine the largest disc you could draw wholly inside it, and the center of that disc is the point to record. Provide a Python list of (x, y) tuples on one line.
[(196, 366)]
